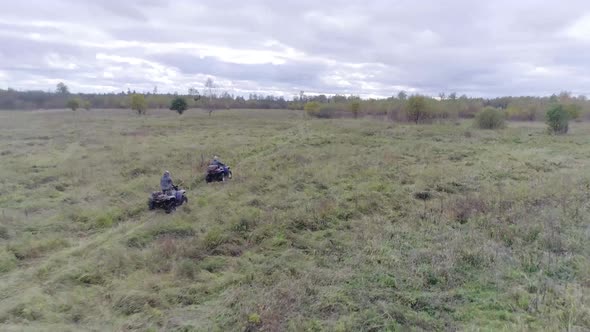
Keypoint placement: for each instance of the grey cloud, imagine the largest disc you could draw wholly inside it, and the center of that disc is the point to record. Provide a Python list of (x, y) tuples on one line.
[(492, 48), (290, 73)]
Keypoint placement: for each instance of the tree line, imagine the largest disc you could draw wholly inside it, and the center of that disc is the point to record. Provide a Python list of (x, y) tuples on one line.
[(420, 109), (400, 107), (211, 96)]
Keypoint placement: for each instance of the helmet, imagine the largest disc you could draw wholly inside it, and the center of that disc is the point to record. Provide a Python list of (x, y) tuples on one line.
[(166, 173), (216, 158)]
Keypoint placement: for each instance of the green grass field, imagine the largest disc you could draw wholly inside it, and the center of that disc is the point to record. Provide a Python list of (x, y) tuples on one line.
[(320, 229)]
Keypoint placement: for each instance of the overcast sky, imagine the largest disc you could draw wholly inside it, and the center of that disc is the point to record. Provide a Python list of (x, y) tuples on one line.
[(367, 48)]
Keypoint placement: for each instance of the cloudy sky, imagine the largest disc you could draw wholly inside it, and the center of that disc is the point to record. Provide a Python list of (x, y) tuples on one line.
[(367, 48)]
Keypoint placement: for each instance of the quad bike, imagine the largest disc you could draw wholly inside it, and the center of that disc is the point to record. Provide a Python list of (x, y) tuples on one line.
[(217, 173), (168, 202)]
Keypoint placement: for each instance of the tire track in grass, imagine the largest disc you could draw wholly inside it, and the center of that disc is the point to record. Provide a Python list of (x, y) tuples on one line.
[(14, 284)]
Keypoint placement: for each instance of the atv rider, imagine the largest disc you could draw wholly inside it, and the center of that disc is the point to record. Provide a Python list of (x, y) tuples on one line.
[(217, 162), (166, 183)]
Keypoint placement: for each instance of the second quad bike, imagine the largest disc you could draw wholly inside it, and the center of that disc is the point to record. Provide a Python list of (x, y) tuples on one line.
[(167, 201)]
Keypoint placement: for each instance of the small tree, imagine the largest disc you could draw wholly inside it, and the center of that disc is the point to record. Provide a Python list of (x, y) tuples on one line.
[(179, 105), (355, 107), (86, 105), (138, 104), (416, 109), (312, 108), (557, 119), (62, 89), (74, 104), (490, 118)]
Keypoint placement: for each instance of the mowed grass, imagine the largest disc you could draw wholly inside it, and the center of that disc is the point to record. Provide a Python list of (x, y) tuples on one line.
[(328, 225)]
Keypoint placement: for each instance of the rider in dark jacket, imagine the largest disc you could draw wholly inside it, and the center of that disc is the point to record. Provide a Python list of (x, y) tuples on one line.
[(166, 183), (217, 162)]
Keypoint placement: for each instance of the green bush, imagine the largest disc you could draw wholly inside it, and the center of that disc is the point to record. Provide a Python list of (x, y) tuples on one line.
[(74, 104), (312, 108), (490, 118), (254, 319), (557, 118), (179, 105), (574, 111), (138, 104), (86, 105), (322, 111), (326, 113), (417, 110), (355, 107)]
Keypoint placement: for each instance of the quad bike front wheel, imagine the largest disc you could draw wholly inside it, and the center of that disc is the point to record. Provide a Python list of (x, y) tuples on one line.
[(151, 204), (171, 206)]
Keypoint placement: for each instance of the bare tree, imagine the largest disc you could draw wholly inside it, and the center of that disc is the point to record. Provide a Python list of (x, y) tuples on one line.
[(193, 92), (210, 94)]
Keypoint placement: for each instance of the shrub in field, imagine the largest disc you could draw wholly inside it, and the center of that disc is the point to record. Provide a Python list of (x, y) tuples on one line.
[(490, 118), (326, 112), (74, 104), (179, 105), (522, 113), (138, 104), (355, 107), (312, 108), (86, 105), (574, 111), (557, 118), (416, 109)]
